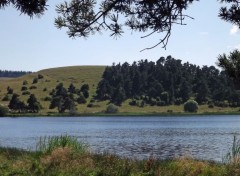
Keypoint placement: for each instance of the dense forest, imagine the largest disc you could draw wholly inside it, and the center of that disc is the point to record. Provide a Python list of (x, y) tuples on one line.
[(12, 74), (164, 82)]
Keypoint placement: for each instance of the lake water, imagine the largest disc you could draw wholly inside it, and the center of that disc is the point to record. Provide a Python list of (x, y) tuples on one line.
[(202, 137)]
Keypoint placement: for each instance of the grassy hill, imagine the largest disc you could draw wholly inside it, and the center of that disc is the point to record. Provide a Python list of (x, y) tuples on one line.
[(79, 75)]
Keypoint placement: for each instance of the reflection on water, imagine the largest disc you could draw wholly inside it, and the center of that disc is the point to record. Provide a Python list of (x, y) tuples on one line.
[(202, 137)]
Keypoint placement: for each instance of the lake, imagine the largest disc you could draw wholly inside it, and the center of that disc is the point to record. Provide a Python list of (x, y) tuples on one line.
[(201, 137)]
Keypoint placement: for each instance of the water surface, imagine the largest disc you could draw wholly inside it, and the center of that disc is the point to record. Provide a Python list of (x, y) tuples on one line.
[(202, 137)]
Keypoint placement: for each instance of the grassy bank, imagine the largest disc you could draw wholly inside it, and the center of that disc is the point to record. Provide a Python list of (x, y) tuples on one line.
[(65, 156)]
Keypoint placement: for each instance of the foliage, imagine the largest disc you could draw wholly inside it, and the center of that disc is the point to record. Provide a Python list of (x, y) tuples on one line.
[(111, 108), (231, 65), (16, 105), (165, 82), (48, 144), (6, 97), (81, 99), (12, 74), (9, 90), (191, 106), (29, 8), (64, 155), (24, 88), (61, 99), (3, 111), (83, 18), (35, 81), (233, 156), (26, 93), (40, 76), (33, 87), (33, 104), (25, 82)]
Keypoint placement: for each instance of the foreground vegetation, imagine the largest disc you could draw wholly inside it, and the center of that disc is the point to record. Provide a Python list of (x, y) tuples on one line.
[(64, 155)]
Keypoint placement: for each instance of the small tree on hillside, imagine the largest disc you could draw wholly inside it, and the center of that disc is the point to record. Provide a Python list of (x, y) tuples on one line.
[(72, 88), (16, 105), (33, 104), (9, 90)]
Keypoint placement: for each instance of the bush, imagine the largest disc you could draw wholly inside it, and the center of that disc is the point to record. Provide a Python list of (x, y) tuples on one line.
[(112, 109), (26, 93), (24, 88), (210, 106), (35, 81), (191, 106), (133, 103), (47, 98), (45, 89), (81, 100), (25, 82), (7, 97), (33, 87), (91, 105), (40, 76), (3, 111)]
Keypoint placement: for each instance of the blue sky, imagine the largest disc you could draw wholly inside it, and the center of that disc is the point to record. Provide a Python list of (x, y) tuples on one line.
[(35, 44)]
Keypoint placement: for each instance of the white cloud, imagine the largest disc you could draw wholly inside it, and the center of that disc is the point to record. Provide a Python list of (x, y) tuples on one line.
[(234, 30), (237, 47)]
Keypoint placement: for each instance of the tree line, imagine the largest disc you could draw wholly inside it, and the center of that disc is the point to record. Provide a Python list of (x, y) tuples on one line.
[(164, 82), (12, 74)]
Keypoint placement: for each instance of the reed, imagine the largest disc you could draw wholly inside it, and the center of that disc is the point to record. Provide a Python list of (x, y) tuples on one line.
[(233, 156), (48, 144)]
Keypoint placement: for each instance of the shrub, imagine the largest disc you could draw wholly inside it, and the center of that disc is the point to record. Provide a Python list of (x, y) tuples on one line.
[(47, 98), (32, 87), (25, 82), (7, 97), (26, 93), (91, 105), (40, 76), (35, 81), (210, 106), (112, 109), (24, 88), (191, 106), (45, 89), (3, 111), (9, 90), (133, 103), (81, 100)]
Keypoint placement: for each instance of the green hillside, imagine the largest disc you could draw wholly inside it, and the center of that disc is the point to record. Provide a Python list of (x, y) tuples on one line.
[(78, 75)]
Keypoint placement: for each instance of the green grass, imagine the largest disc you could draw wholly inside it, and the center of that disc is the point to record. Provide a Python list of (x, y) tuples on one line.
[(79, 75), (63, 156)]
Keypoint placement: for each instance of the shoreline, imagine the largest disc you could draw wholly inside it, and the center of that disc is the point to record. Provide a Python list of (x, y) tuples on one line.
[(121, 114)]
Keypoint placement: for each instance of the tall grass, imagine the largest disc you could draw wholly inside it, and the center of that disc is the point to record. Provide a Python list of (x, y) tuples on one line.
[(48, 144), (233, 156)]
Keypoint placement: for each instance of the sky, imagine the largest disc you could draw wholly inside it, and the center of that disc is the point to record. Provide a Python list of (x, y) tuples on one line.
[(36, 44)]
